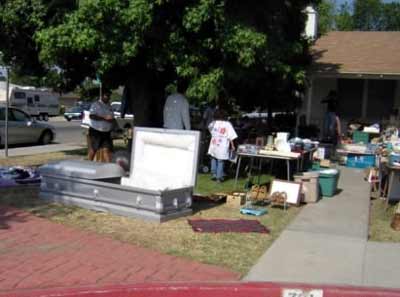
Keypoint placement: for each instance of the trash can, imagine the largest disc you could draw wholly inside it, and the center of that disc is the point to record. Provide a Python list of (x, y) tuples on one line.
[(328, 181), (310, 186)]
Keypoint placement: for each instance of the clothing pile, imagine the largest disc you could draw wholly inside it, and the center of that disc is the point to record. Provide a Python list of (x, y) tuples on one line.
[(16, 175)]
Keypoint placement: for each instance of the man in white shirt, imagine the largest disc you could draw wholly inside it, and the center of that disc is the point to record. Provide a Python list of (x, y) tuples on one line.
[(101, 124), (176, 111), (222, 136)]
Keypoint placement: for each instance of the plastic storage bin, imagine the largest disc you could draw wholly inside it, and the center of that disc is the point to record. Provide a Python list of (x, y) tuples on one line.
[(310, 186), (394, 158), (360, 161), (328, 181), (360, 137)]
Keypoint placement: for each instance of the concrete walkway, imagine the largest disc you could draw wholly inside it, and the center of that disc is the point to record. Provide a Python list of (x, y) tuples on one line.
[(36, 253), (327, 244), (39, 149)]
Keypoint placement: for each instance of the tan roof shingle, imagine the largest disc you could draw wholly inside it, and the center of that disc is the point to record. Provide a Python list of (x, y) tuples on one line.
[(357, 52)]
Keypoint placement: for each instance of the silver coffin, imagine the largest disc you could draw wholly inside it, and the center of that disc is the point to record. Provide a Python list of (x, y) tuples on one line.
[(159, 187)]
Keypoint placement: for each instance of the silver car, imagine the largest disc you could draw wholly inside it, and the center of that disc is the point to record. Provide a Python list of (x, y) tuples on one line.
[(23, 129)]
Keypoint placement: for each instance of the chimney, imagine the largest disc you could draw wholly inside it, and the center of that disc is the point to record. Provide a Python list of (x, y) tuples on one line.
[(311, 28)]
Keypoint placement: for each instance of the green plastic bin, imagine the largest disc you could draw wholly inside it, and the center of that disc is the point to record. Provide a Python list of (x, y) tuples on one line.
[(328, 182), (360, 137), (315, 166)]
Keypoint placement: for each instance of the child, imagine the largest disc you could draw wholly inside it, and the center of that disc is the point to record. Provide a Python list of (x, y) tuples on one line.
[(222, 136)]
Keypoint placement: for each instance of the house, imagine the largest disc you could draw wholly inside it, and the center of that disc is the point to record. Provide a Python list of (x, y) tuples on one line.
[(364, 69)]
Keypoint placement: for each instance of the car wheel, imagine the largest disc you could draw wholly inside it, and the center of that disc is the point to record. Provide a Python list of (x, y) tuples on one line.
[(45, 117), (46, 137), (68, 119), (205, 169)]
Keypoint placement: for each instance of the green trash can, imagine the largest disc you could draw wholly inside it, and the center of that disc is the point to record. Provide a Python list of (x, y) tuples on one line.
[(328, 182)]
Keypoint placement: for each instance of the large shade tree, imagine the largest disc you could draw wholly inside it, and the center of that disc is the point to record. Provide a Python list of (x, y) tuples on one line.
[(253, 51)]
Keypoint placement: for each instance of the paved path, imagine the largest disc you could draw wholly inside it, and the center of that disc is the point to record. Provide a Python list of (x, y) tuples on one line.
[(327, 244), (40, 149), (37, 253)]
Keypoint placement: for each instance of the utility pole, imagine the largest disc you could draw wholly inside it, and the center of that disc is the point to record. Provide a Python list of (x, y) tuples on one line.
[(6, 115)]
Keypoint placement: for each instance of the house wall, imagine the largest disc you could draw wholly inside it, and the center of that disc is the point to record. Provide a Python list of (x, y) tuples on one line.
[(371, 99)]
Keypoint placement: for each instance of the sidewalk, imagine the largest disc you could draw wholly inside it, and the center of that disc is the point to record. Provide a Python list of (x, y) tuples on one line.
[(40, 149), (327, 244), (36, 253)]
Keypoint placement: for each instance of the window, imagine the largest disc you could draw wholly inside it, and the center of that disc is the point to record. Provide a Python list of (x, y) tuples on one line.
[(19, 95), (20, 116), (37, 98), (30, 101), (2, 114)]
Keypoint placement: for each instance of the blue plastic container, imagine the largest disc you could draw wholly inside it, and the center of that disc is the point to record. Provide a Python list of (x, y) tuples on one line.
[(394, 158), (360, 161)]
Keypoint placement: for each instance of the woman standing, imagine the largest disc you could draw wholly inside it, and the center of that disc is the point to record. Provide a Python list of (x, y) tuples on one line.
[(222, 136)]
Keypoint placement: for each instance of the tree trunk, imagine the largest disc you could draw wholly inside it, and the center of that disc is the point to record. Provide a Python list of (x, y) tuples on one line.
[(147, 99)]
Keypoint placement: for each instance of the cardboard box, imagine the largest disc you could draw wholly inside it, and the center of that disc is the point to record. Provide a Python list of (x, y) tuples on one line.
[(236, 199), (325, 163)]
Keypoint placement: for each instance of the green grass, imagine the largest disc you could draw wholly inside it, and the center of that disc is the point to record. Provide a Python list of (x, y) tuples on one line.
[(235, 251), (381, 219), (206, 187)]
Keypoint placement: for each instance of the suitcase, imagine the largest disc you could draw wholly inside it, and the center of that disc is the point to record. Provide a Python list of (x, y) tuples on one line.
[(160, 185)]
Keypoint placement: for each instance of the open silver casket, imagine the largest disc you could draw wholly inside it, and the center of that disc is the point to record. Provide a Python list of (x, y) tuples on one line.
[(159, 186)]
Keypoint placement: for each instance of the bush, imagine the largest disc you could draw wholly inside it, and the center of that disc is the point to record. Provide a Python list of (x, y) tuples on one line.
[(62, 109)]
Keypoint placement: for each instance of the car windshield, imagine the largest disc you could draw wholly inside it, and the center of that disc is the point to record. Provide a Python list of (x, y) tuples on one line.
[(19, 116)]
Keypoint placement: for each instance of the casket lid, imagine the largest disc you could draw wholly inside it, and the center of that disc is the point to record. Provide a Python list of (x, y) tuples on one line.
[(165, 155)]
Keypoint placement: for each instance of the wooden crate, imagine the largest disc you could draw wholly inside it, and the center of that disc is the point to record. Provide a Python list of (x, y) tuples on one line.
[(236, 199)]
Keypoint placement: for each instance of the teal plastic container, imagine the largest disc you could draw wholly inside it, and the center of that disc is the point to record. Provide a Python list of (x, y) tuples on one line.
[(328, 182), (315, 166)]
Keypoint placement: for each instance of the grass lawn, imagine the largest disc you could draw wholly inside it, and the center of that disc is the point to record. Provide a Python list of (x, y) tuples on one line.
[(381, 219), (237, 251)]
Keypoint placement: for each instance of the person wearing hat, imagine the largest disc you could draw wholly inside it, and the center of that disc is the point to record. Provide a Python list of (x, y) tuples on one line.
[(332, 127)]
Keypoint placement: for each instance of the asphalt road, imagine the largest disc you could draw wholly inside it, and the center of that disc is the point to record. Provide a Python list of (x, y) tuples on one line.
[(68, 132)]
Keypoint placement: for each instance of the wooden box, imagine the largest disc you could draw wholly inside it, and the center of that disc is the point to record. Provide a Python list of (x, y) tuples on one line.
[(236, 199)]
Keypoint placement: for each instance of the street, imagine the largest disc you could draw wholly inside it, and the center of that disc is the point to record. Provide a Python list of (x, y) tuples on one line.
[(68, 132)]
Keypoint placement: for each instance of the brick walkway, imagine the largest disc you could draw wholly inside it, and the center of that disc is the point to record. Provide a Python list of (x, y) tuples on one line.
[(36, 253)]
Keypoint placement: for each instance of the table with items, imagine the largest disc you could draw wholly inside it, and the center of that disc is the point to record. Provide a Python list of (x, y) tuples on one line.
[(256, 152)]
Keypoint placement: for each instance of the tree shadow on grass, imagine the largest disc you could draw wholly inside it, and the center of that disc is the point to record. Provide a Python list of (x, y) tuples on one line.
[(16, 208), (8, 216), (201, 203)]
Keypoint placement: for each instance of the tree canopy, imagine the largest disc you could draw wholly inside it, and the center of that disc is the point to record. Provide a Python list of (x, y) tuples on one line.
[(250, 51), (363, 15)]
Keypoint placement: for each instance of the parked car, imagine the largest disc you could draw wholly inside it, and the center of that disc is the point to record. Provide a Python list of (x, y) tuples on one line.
[(122, 128), (24, 129), (74, 113), (116, 106)]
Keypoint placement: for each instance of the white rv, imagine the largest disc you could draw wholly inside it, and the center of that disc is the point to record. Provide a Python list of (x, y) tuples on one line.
[(39, 103)]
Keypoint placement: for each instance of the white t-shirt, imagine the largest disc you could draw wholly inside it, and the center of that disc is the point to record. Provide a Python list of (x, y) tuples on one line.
[(222, 133)]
